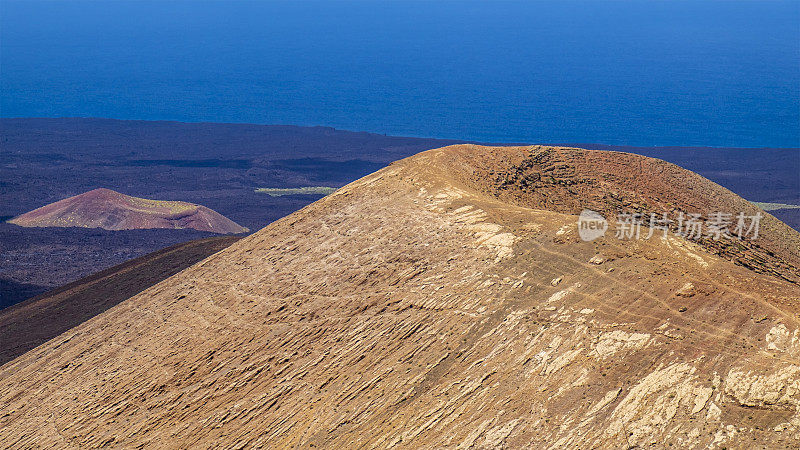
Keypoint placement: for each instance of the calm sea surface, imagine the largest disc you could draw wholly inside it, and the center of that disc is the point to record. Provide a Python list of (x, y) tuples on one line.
[(637, 72)]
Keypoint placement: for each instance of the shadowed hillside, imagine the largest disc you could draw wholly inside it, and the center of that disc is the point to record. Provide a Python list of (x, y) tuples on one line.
[(39, 319)]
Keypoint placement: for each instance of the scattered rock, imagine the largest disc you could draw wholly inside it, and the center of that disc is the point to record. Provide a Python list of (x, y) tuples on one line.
[(687, 290)]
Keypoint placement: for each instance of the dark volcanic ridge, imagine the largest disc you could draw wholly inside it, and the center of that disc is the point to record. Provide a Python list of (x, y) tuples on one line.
[(41, 318), (110, 210)]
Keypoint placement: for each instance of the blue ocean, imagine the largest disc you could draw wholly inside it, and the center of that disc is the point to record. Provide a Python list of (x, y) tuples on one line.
[(630, 72)]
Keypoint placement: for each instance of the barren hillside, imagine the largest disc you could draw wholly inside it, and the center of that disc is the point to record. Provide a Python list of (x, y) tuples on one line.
[(445, 301), (110, 210)]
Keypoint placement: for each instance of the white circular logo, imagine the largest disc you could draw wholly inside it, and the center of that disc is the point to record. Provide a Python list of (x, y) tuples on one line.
[(591, 225)]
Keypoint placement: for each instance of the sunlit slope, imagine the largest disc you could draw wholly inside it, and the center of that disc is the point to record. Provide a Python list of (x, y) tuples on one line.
[(423, 306)]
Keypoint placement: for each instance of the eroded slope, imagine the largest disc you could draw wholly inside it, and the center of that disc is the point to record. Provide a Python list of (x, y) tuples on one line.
[(416, 307)]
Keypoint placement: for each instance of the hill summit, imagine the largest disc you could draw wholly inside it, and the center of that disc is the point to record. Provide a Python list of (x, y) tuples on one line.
[(110, 210), (447, 301)]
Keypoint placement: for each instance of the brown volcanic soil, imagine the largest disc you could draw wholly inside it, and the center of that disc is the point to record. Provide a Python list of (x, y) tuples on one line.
[(568, 180), (423, 306), (110, 210), (39, 319)]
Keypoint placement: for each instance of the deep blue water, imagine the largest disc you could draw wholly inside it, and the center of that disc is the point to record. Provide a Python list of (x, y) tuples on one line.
[(637, 72)]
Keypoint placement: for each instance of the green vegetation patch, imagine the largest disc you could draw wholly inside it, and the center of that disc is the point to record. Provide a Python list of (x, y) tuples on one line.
[(774, 206), (307, 190)]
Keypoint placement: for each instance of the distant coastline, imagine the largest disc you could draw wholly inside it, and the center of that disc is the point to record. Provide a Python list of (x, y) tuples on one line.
[(690, 73)]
